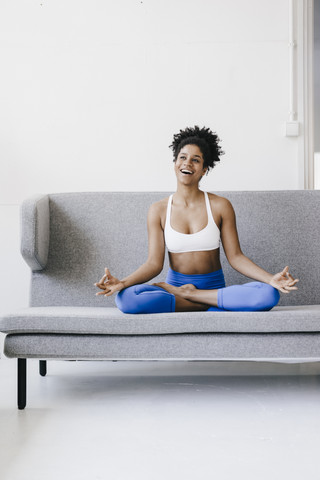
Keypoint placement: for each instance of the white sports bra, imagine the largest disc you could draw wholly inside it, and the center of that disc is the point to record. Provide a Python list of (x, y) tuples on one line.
[(206, 239)]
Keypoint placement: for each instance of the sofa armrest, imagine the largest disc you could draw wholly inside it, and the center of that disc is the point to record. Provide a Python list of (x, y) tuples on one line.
[(35, 231)]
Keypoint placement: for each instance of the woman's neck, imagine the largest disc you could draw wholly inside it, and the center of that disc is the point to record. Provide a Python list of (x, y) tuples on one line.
[(188, 195)]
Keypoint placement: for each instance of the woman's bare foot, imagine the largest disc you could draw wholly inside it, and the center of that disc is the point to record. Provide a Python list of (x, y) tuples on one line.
[(184, 291), (190, 292)]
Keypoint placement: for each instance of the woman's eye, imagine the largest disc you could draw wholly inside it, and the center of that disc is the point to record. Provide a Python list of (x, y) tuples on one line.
[(196, 160)]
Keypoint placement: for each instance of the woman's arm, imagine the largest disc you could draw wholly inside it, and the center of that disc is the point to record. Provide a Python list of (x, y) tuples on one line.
[(153, 265), (156, 251), (283, 281)]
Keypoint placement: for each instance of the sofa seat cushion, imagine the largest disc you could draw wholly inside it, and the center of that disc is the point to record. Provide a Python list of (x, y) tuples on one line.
[(110, 321)]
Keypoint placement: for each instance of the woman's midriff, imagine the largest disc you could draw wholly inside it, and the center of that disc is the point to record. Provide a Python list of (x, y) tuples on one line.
[(193, 263)]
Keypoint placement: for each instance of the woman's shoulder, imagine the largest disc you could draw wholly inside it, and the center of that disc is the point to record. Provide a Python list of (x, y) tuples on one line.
[(219, 202), (159, 209), (160, 204)]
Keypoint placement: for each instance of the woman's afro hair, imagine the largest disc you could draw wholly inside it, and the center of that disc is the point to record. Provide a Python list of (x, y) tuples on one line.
[(204, 138)]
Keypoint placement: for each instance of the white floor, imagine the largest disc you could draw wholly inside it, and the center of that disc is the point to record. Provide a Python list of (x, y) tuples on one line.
[(152, 420)]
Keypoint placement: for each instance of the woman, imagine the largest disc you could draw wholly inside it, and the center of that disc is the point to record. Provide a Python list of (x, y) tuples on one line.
[(191, 223)]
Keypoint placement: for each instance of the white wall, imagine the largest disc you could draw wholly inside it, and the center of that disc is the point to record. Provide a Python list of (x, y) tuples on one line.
[(316, 73), (92, 92)]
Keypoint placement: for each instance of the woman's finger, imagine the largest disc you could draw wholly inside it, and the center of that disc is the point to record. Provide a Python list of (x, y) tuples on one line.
[(293, 282), (102, 293), (280, 286), (107, 272), (290, 277), (109, 293), (283, 290), (103, 279)]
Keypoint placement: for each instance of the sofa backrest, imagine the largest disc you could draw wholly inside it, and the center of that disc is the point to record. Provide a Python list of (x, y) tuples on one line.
[(68, 239)]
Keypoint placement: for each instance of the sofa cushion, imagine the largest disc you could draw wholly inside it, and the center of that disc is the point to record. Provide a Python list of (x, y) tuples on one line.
[(110, 321), (279, 347)]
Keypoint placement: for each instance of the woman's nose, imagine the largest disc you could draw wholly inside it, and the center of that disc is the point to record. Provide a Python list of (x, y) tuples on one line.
[(187, 161)]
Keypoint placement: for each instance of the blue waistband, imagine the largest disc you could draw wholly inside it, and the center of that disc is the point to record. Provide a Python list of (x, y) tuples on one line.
[(205, 281)]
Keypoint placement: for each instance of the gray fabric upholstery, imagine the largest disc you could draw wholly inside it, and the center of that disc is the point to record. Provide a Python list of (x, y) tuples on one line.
[(89, 231), (205, 346), (35, 222), (68, 239), (110, 321)]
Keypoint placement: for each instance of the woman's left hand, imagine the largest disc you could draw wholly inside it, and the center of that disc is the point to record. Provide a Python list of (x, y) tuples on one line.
[(284, 281)]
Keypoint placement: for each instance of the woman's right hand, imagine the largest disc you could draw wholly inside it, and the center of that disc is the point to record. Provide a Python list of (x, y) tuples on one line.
[(109, 284)]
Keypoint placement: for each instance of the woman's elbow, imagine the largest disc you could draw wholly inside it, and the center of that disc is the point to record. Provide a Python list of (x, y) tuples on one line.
[(235, 259), (158, 270), (155, 267)]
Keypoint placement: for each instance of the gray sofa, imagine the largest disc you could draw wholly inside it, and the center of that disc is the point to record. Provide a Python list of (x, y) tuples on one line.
[(68, 239)]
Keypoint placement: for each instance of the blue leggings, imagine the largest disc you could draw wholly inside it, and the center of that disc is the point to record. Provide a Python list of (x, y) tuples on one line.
[(249, 297)]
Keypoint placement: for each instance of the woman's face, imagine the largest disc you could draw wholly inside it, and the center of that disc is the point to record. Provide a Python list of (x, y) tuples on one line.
[(189, 165)]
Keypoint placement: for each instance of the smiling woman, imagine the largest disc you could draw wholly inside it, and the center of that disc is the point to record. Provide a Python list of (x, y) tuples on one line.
[(192, 224), (206, 141)]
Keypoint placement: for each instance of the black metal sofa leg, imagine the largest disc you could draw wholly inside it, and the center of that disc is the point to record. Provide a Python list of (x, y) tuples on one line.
[(43, 367), (22, 383)]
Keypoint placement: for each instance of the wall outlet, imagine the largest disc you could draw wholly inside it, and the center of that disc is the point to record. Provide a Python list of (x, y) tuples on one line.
[(292, 129)]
